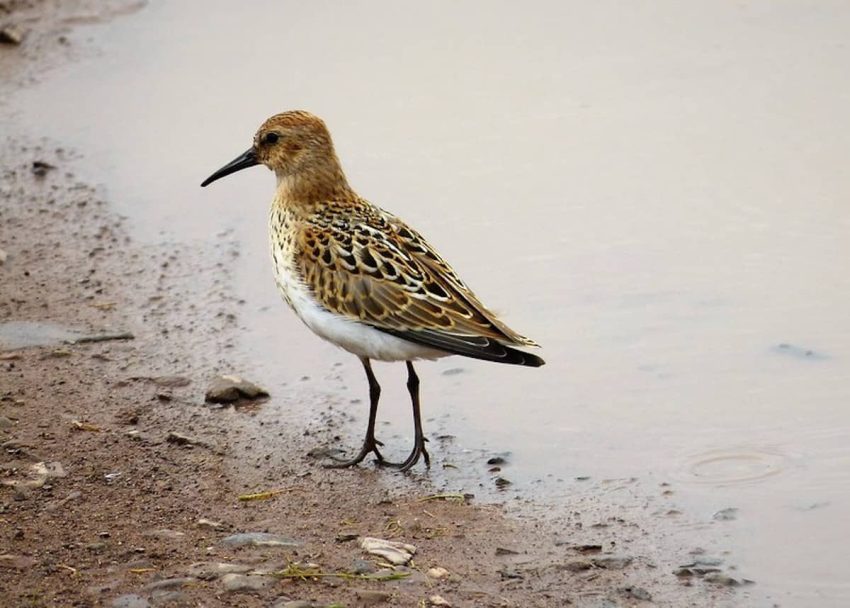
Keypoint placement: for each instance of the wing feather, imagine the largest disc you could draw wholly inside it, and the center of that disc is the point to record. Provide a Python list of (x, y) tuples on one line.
[(379, 271)]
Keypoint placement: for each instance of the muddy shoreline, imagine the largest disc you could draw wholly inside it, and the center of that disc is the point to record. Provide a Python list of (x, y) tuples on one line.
[(101, 505)]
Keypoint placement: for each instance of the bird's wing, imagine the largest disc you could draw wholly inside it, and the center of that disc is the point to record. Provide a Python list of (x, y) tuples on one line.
[(381, 272)]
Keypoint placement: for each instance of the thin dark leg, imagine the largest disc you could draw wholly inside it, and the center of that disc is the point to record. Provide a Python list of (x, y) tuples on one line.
[(419, 438), (370, 444)]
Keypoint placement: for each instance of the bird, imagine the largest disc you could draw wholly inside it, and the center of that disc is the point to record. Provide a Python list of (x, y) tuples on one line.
[(363, 279)]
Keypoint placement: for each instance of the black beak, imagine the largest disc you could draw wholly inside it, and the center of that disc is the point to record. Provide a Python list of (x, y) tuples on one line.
[(243, 161)]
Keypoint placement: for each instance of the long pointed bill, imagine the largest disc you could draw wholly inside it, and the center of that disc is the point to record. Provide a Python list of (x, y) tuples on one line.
[(243, 161)]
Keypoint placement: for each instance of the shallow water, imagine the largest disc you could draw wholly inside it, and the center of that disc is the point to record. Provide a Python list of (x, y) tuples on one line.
[(655, 192)]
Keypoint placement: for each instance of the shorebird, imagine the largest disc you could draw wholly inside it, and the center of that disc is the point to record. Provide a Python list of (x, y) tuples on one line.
[(360, 277)]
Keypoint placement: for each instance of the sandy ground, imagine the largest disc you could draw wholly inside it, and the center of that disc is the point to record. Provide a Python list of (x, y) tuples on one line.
[(101, 504)]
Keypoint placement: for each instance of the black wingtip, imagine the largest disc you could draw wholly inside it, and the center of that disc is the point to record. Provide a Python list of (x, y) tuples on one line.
[(476, 347), (532, 360)]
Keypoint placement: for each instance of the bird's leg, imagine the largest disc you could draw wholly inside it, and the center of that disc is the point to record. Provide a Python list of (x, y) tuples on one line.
[(370, 444), (419, 438)]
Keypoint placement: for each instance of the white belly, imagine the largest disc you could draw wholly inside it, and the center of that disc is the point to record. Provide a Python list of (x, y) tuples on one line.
[(357, 338)]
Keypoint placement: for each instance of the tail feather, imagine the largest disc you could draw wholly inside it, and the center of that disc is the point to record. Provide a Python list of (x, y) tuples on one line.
[(476, 347)]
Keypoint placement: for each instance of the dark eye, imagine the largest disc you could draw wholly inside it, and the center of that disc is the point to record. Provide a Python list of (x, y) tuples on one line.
[(271, 138)]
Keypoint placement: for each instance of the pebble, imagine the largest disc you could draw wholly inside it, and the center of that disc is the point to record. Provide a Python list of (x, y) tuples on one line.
[(130, 600), (209, 523), (243, 583), (3, 257), (5, 423), (258, 539), (180, 439), (501, 482), (395, 552), (729, 514), (438, 572), (170, 583), (362, 566), (611, 562), (11, 35), (165, 597), (638, 593), (718, 578), (40, 168), (227, 389), (576, 565), (436, 600), (212, 570)]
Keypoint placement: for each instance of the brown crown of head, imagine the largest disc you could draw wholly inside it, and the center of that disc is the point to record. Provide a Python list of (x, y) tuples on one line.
[(292, 142)]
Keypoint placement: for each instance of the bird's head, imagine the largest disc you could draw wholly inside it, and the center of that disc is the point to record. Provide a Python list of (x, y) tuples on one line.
[(289, 144)]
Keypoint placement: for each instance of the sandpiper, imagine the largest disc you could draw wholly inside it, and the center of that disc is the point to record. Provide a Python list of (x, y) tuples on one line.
[(360, 277)]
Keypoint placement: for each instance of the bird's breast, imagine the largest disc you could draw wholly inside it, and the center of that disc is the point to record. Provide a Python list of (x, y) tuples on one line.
[(282, 241)]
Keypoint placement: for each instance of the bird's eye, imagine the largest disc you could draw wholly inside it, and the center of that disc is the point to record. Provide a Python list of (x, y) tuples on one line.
[(271, 138)]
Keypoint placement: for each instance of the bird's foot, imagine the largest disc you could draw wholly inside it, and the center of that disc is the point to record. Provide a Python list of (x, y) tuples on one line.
[(370, 446), (418, 452)]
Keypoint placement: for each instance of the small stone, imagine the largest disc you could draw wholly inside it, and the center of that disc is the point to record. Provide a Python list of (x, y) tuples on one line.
[(245, 584), (6, 423), (166, 597), (505, 551), (497, 461), (638, 593), (729, 514), (396, 553), (368, 597), (589, 548), (437, 572), (718, 578), (436, 600), (510, 573), (181, 439), (611, 562), (576, 565), (40, 168), (3, 257), (344, 537), (362, 566), (502, 483), (259, 539), (10, 34), (170, 583), (211, 570), (705, 560), (227, 389), (130, 600), (209, 523)]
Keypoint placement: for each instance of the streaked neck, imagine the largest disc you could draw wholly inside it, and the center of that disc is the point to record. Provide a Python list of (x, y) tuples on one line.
[(317, 185)]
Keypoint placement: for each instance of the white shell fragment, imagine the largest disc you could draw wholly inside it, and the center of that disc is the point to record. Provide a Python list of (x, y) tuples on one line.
[(437, 572), (394, 552)]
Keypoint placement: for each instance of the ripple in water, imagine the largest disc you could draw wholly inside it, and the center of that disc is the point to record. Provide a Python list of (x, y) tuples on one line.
[(734, 466)]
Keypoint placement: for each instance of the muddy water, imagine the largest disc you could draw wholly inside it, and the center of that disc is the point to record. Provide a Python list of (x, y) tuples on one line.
[(655, 192)]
